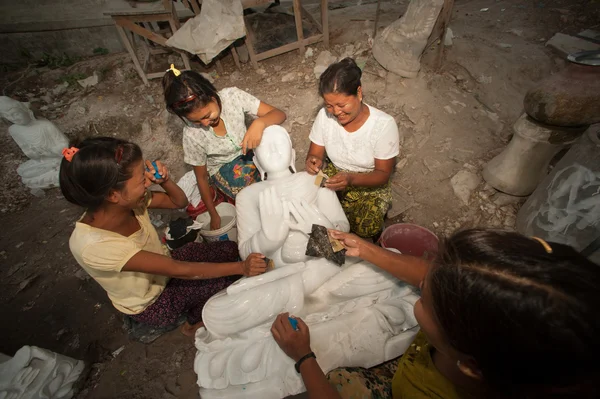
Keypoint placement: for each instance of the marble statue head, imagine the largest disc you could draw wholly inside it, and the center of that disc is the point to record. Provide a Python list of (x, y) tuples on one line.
[(274, 153), (15, 111)]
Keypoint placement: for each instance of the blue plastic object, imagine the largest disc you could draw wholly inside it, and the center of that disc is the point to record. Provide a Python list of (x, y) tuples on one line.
[(294, 323), (156, 174)]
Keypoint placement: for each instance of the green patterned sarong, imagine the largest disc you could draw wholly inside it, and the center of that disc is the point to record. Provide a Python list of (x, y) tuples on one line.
[(365, 207)]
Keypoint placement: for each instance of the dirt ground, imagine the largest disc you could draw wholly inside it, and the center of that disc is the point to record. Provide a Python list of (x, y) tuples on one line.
[(456, 118)]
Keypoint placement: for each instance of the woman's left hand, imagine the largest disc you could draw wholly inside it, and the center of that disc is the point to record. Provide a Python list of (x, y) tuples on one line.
[(160, 168), (339, 182), (253, 136)]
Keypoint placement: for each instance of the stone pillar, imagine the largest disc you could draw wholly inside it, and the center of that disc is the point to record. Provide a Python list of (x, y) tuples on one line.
[(524, 162)]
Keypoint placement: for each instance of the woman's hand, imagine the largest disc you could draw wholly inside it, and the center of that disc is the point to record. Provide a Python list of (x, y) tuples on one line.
[(160, 168), (215, 221), (254, 265), (313, 164), (354, 244), (339, 182), (253, 136), (295, 343)]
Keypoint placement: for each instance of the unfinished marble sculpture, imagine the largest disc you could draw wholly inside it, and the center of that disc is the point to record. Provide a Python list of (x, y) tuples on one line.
[(35, 373), (39, 139), (400, 46), (357, 314), (524, 162)]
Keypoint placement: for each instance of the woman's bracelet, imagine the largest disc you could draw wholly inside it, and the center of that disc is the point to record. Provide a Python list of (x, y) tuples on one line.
[(302, 359)]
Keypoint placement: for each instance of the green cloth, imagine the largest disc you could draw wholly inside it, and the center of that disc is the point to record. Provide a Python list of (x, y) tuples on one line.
[(365, 207)]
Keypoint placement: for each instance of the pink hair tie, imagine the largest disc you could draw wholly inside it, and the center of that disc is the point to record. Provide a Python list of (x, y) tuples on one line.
[(69, 152)]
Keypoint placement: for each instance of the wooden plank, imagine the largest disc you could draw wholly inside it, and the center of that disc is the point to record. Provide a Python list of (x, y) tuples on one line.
[(186, 60), (443, 20), (135, 13), (146, 57), (155, 75), (162, 16), (219, 66), (132, 54), (250, 45), (146, 25), (254, 3), (159, 50), (288, 47), (299, 28), (168, 5), (376, 18), (325, 21), (439, 31), (195, 6), (312, 19), (236, 57), (141, 31)]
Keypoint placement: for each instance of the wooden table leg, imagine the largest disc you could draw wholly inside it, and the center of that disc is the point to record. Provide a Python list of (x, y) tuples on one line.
[(250, 45), (219, 66), (299, 27), (132, 53), (184, 57), (376, 18), (236, 57), (325, 21)]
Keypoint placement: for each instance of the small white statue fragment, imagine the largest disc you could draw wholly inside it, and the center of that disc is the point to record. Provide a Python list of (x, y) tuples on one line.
[(35, 373), (358, 315), (39, 139)]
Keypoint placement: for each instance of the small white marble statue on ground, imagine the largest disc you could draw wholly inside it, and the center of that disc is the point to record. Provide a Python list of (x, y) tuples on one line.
[(358, 315), (35, 373), (39, 139)]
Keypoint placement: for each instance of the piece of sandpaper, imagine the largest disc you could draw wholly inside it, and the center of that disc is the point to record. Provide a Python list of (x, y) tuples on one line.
[(320, 246), (270, 264), (320, 179)]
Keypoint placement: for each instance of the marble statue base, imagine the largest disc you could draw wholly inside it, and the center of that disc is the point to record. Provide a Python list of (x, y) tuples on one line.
[(352, 332), (35, 373)]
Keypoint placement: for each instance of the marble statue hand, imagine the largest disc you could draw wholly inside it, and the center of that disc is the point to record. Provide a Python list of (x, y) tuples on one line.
[(274, 218), (305, 216)]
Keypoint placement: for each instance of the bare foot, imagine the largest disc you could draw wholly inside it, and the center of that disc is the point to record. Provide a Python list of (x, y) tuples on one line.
[(190, 329)]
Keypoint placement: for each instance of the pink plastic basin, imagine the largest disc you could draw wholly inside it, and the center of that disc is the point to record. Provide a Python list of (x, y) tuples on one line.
[(410, 239)]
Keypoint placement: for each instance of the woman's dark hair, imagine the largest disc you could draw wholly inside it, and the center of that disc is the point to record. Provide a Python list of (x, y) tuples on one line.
[(188, 91), (529, 318), (101, 165), (341, 77)]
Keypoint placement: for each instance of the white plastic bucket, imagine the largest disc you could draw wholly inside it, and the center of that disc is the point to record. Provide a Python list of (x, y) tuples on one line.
[(228, 230)]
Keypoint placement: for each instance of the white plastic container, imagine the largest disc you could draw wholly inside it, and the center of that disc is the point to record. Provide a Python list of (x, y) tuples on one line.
[(228, 230)]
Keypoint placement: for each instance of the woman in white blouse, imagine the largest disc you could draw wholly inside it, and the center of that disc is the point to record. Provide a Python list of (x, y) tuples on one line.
[(355, 145)]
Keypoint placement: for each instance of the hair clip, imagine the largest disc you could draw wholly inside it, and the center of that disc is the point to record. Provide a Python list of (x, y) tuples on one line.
[(175, 71), (119, 154), (189, 98), (546, 246), (69, 152)]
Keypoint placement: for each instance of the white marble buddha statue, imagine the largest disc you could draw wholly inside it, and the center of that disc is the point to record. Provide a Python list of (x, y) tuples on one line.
[(358, 314), (39, 139)]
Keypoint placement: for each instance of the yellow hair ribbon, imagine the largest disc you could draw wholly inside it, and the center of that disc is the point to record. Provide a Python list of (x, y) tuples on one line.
[(546, 246), (175, 71)]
